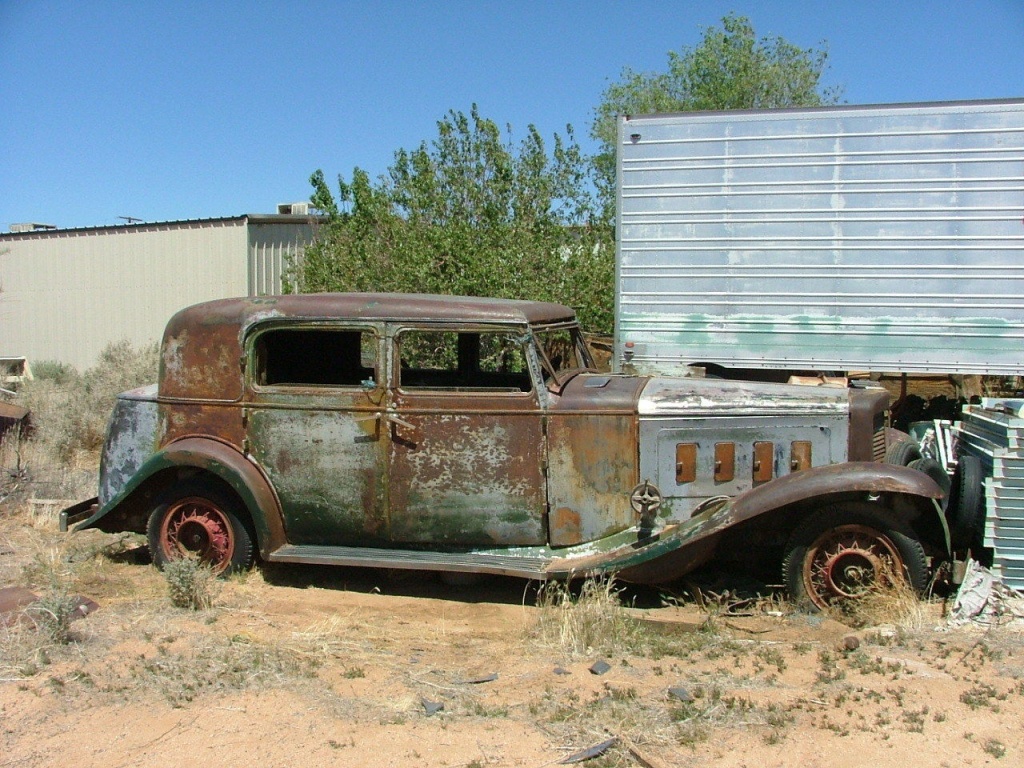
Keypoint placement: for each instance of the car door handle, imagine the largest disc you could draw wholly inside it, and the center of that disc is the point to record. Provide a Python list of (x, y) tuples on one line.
[(391, 419), (400, 422)]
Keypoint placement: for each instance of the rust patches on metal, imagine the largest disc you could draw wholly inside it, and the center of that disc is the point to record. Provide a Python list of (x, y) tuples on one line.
[(565, 525), (466, 469), (593, 465), (14, 417)]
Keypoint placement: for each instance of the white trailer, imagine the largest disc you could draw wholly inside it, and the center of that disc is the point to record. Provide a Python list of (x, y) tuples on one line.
[(885, 238)]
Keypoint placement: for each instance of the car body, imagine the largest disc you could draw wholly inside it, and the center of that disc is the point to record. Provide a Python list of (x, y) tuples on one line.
[(467, 434)]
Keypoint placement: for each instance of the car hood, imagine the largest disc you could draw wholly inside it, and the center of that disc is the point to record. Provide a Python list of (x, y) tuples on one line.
[(669, 396)]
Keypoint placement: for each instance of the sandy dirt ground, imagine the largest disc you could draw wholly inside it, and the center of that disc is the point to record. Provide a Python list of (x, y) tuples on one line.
[(316, 666)]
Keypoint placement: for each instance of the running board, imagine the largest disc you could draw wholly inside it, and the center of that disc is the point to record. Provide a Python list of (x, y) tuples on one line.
[(528, 567)]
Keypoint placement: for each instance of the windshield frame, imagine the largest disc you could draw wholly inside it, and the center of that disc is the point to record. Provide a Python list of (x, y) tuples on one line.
[(561, 376)]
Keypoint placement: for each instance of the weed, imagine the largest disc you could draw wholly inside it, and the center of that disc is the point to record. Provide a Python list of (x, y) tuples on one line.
[(994, 747), (223, 664), (982, 695), (52, 614), (190, 583), (352, 673), (772, 657), (868, 665), (914, 719), (482, 710), (828, 669)]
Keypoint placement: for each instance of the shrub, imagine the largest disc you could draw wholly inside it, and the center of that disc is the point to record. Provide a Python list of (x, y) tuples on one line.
[(190, 583), (70, 411)]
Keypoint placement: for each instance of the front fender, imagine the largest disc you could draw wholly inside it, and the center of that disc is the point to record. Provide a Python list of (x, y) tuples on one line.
[(855, 476), (221, 460), (684, 546)]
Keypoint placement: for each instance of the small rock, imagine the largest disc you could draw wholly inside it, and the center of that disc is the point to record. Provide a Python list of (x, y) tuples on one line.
[(562, 671), (482, 679), (680, 693), (599, 667), (850, 643)]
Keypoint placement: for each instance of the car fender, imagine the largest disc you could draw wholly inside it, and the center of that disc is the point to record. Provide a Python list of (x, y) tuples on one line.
[(855, 476), (224, 461)]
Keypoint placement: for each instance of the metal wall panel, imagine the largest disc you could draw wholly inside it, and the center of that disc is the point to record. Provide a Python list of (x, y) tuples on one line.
[(66, 294), (884, 238), (274, 248)]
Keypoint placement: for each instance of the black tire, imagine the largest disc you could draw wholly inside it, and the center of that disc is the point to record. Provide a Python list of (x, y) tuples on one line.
[(836, 554), (934, 470), (902, 452), (201, 520), (966, 509)]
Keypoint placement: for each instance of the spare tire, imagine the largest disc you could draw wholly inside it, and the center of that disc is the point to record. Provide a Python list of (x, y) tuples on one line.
[(934, 470), (966, 509), (902, 452)]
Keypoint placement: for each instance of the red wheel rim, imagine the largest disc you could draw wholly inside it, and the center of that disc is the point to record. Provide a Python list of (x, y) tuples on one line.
[(846, 561), (196, 527)]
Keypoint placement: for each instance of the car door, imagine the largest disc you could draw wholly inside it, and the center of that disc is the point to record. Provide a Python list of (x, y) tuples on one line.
[(314, 425), (466, 440)]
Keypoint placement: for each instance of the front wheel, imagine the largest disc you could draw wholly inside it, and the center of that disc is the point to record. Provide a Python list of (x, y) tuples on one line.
[(843, 552), (195, 520)]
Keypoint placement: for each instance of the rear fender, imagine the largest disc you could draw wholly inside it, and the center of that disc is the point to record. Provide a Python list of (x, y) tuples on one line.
[(208, 455)]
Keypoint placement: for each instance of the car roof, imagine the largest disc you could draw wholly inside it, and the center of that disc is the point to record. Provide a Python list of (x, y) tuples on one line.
[(203, 343), (381, 306)]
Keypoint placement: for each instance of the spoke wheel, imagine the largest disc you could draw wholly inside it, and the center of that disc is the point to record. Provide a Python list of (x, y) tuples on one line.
[(196, 521), (197, 527), (840, 553), (847, 561)]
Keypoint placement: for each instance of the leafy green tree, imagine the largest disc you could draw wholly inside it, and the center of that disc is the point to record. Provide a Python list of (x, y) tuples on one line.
[(469, 213), (729, 69)]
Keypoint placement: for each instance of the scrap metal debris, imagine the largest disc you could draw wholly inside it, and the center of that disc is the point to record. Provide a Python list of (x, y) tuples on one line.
[(431, 707), (590, 752), (15, 600), (984, 599), (482, 679)]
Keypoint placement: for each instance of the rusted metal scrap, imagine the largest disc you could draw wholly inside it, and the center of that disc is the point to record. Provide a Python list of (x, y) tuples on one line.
[(16, 605)]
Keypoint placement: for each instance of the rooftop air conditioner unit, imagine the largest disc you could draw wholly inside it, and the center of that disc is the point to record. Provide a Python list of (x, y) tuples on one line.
[(294, 209)]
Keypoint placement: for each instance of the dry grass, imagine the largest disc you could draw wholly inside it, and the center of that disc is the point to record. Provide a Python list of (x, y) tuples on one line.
[(592, 620), (889, 600), (70, 410)]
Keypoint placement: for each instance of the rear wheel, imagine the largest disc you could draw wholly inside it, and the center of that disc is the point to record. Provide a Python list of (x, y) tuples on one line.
[(197, 520), (843, 552)]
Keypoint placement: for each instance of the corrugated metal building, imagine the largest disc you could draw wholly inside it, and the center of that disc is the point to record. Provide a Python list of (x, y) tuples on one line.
[(67, 293)]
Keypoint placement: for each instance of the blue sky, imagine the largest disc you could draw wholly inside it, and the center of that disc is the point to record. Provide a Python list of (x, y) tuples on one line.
[(172, 110)]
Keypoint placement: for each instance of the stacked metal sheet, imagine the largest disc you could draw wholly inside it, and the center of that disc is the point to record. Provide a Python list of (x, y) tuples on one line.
[(994, 432)]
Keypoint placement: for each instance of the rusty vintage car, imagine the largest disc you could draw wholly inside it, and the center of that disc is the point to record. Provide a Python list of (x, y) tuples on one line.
[(473, 435)]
